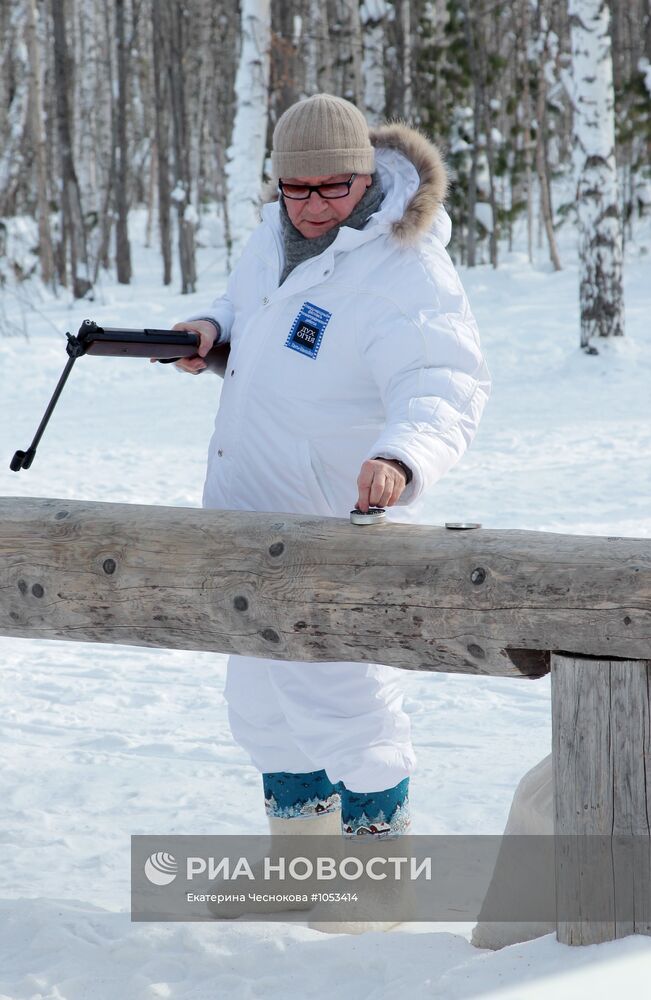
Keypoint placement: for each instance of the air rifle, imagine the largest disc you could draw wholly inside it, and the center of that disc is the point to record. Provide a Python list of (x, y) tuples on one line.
[(165, 346)]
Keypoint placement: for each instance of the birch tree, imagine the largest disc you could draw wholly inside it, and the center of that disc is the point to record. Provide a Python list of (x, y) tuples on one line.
[(318, 51), (182, 193), (599, 221), (73, 232), (543, 47), (161, 56), (45, 251), (14, 54), (122, 247), (247, 151), (138, 108), (407, 42), (374, 14), (345, 45)]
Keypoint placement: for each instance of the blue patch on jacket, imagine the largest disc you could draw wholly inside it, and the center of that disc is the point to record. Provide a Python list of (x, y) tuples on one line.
[(307, 330)]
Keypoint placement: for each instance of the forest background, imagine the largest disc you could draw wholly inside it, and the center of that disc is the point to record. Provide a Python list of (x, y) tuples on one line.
[(115, 105)]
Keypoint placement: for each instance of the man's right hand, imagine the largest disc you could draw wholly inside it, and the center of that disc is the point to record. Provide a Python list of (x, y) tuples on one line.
[(207, 334)]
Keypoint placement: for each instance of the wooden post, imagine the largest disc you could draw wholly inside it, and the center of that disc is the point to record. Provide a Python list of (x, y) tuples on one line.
[(601, 749)]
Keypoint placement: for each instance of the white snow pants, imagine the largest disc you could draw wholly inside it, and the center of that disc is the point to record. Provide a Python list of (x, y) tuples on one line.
[(346, 718)]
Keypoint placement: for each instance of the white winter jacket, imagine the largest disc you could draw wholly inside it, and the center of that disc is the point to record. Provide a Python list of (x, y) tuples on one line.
[(368, 349)]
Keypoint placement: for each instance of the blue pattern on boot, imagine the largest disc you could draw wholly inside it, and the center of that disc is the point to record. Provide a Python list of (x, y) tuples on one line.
[(380, 814), (288, 795)]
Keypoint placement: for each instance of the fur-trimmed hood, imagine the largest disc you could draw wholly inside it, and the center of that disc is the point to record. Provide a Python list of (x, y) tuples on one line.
[(421, 208), (428, 189)]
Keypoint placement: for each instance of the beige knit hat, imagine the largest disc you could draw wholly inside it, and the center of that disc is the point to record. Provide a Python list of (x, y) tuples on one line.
[(321, 135)]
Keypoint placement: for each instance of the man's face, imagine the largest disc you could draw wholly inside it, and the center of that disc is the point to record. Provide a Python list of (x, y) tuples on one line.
[(316, 215)]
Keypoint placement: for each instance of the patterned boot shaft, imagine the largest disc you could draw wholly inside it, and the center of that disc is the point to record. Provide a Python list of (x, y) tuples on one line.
[(299, 796), (382, 814)]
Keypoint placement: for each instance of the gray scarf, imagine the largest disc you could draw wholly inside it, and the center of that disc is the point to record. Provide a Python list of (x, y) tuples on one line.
[(298, 247)]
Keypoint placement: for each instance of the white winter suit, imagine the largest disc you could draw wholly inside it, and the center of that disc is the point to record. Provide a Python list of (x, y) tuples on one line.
[(368, 349)]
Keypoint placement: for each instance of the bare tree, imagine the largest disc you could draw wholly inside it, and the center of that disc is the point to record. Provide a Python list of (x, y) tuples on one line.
[(374, 14), (161, 57), (45, 251), (249, 140), (72, 229), (122, 247), (407, 46), (600, 232), (543, 31), (170, 105), (525, 48), (318, 49), (182, 193), (15, 111)]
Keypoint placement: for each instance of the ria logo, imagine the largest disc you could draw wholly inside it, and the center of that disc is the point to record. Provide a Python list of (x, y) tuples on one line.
[(161, 868)]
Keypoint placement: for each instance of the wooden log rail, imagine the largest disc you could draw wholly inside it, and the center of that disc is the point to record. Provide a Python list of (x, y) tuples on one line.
[(496, 602), (307, 588)]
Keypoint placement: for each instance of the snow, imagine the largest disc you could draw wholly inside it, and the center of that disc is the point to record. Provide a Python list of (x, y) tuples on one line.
[(190, 214), (484, 215), (100, 742), (373, 10), (459, 146), (644, 67)]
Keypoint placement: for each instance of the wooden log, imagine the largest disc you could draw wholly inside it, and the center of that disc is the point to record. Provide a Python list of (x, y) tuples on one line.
[(602, 803), (308, 588)]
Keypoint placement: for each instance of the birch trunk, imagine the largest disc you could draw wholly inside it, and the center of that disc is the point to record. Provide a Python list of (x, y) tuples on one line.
[(248, 148), (476, 125), (356, 48), (490, 152), (182, 194), (86, 54), (318, 57), (105, 132), (45, 251), (161, 85), (599, 220), (122, 247), (15, 115), (373, 14), (542, 166), (526, 107), (407, 97), (73, 218)]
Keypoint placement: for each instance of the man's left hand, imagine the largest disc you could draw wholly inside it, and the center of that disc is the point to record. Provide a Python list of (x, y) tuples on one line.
[(379, 484)]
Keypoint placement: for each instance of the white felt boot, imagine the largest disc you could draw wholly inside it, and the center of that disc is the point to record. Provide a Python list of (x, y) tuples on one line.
[(378, 897), (326, 824)]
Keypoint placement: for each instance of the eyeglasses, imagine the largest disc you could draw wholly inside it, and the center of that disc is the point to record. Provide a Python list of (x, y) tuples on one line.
[(301, 192)]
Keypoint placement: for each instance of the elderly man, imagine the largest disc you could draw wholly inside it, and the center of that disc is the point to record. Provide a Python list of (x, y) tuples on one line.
[(355, 376)]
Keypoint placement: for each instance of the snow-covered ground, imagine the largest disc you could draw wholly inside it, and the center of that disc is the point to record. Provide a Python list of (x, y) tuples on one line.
[(101, 742)]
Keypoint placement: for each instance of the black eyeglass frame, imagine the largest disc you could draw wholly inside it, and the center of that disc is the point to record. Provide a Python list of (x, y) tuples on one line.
[(317, 188)]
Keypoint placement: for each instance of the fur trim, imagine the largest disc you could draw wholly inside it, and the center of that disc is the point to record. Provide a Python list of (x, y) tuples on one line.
[(426, 157)]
